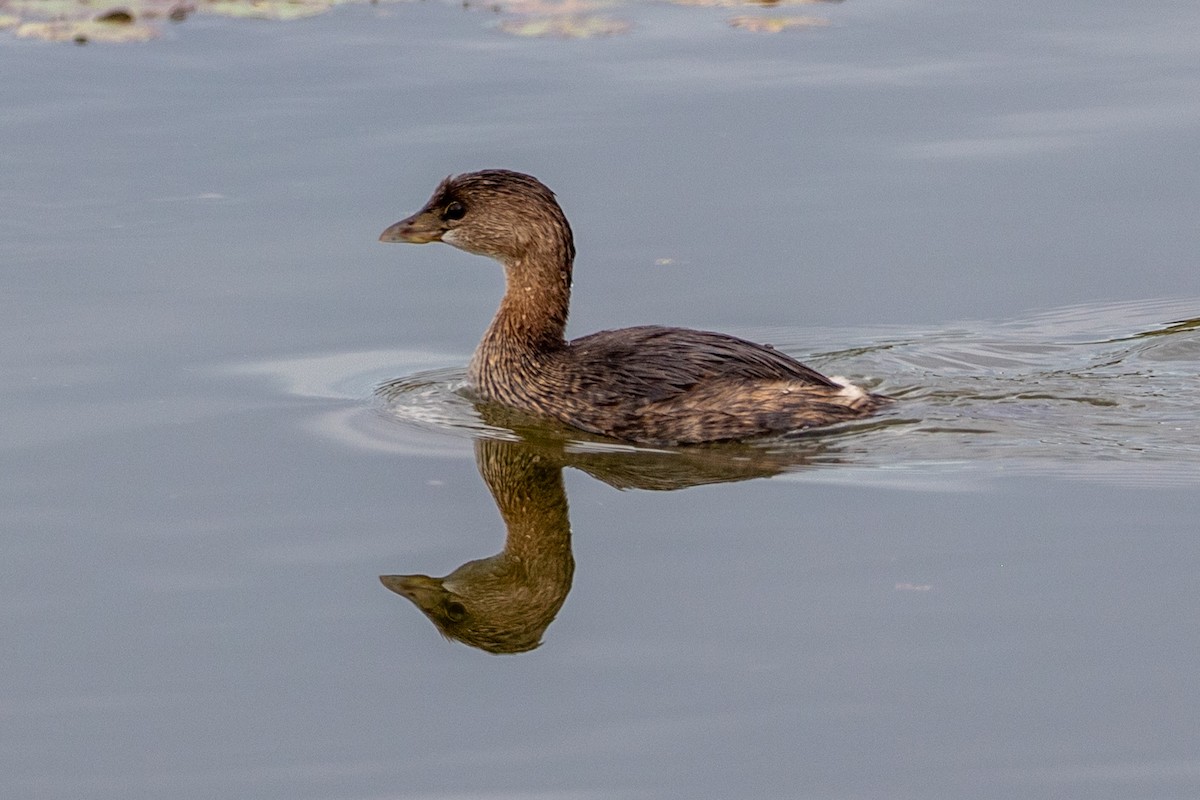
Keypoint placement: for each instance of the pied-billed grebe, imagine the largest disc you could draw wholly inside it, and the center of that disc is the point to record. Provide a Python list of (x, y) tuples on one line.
[(649, 384)]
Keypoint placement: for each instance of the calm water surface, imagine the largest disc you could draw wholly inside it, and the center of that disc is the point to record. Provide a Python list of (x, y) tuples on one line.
[(228, 410)]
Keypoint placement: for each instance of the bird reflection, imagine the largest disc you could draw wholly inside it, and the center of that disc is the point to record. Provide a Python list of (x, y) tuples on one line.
[(504, 603)]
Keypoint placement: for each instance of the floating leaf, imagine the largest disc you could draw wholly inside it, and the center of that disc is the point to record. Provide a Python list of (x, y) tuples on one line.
[(267, 9), (86, 31), (118, 16), (775, 24), (135, 20), (565, 27), (549, 8), (73, 20), (741, 3)]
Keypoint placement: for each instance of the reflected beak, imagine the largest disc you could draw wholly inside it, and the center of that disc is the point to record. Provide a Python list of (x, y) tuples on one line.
[(420, 228), (421, 589)]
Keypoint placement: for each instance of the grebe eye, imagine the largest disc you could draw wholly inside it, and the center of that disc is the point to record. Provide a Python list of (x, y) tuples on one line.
[(456, 611), (454, 210)]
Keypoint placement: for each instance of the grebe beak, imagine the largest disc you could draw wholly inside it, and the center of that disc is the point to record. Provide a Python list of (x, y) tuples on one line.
[(420, 228)]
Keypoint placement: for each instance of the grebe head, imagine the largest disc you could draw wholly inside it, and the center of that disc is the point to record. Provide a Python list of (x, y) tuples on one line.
[(506, 215)]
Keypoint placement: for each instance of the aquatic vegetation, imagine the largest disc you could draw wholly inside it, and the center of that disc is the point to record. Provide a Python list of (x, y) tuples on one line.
[(115, 21), (73, 21), (569, 18), (565, 27), (84, 31), (268, 9), (775, 24), (749, 3), (566, 19), (563, 8), (122, 21)]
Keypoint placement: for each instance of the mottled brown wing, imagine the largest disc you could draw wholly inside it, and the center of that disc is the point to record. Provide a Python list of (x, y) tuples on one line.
[(657, 363)]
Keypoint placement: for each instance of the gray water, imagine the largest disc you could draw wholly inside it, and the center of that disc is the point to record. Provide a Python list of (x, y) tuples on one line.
[(228, 409)]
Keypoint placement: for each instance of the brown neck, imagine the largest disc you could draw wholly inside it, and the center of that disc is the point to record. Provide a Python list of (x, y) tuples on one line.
[(532, 317)]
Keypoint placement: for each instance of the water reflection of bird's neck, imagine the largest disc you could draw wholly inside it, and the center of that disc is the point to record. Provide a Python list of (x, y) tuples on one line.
[(528, 489)]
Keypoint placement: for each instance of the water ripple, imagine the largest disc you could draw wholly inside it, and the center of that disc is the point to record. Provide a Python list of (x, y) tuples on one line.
[(1091, 392)]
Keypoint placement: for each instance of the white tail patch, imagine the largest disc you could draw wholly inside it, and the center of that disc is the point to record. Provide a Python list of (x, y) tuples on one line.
[(849, 390)]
